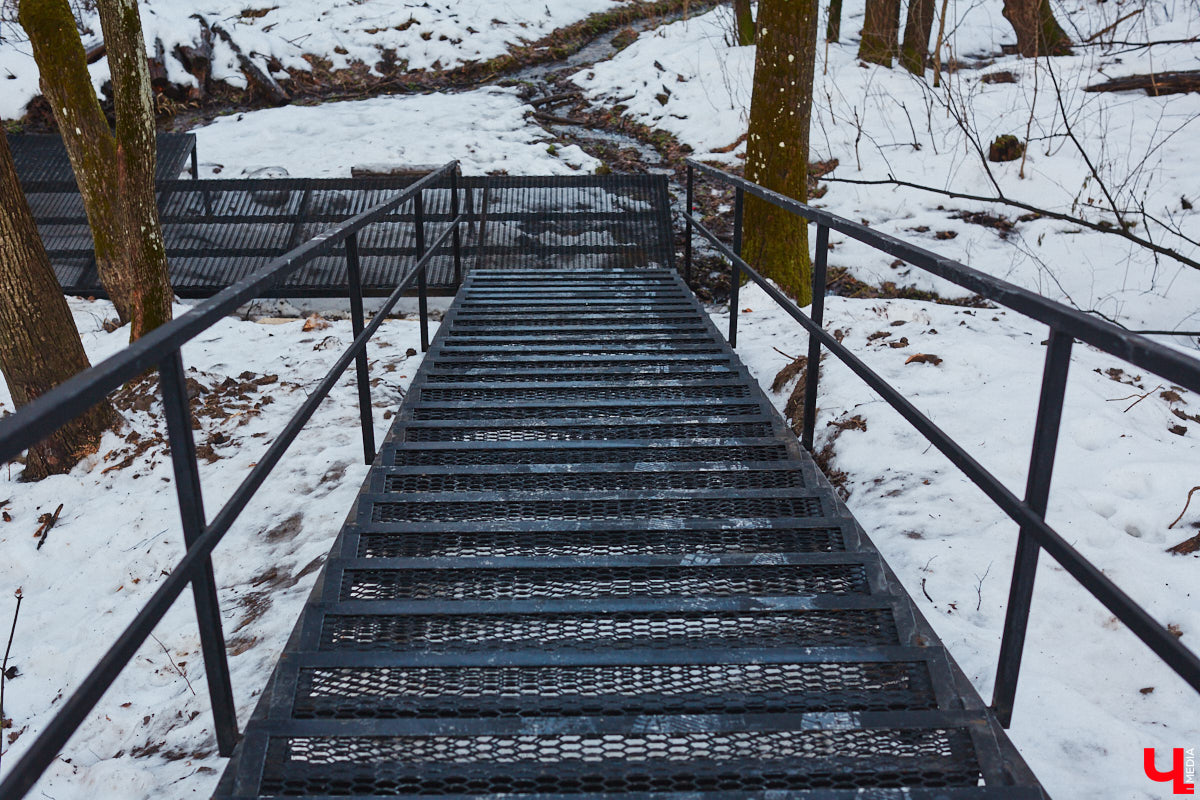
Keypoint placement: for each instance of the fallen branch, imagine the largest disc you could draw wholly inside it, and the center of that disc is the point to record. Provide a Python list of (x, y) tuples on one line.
[(47, 521), (1111, 229), (1154, 83), (1193, 490), (1108, 28)]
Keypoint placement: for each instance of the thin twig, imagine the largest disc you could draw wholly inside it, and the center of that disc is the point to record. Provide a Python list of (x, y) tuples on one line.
[(182, 674), (8, 649), (979, 586), (1105, 30), (1143, 397), (1172, 525), (785, 355), (923, 591)]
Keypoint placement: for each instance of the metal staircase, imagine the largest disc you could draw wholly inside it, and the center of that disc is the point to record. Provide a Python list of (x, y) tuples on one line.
[(590, 559)]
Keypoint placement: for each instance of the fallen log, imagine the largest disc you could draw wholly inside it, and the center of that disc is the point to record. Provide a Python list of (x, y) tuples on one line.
[(1154, 84)]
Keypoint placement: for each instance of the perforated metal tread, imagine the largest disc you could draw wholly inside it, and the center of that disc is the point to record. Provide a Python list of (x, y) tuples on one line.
[(591, 560)]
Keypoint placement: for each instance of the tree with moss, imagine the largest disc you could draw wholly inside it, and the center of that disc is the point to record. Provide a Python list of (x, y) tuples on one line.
[(39, 343), (774, 241), (113, 168), (914, 50), (1038, 32)]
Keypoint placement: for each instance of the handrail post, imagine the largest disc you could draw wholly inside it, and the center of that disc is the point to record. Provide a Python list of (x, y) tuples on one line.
[(204, 585), (363, 378), (687, 224), (456, 240), (422, 300), (1037, 495), (735, 274), (817, 312)]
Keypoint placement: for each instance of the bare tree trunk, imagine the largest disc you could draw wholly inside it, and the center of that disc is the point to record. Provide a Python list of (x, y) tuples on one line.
[(881, 30), (39, 343), (915, 49), (833, 28), (115, 171), (774, 241), (745, 22), (1038, 32)]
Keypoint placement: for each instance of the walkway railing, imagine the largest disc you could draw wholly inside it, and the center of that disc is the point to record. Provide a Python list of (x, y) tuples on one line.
[(161, 350), (1066, 325)]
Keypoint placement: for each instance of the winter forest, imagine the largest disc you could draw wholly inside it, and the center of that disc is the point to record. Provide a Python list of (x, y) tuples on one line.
[(1049, 144)]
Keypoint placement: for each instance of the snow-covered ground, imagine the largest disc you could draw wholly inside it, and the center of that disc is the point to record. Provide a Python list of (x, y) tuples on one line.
[(438, 34), (684, 78), (1090, 693), (118, 535), (486, 130)]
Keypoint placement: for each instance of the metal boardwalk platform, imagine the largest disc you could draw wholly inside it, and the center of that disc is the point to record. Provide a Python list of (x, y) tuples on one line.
[(590, 559)]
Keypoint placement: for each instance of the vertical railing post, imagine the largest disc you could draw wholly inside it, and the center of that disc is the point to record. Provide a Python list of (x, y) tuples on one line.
[(422, 299), (817, 313), (204, 585), (456, 241), (1037, 495), (735, 272), (687, 227), (365, 414)]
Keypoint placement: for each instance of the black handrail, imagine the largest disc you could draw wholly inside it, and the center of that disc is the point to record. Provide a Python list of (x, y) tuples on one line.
[(1066, 325), (161, 348)]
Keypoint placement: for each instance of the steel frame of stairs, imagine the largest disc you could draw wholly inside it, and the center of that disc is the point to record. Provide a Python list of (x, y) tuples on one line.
[(591, 559)]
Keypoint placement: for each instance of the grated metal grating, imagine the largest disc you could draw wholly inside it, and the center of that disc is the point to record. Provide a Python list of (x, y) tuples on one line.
[(510, 544), (561, 433), (533, 395), (632, 508), (579, 412), (594, 481), (530, 583), (623, 763), (614, 455), (615, 630), (582, 690)]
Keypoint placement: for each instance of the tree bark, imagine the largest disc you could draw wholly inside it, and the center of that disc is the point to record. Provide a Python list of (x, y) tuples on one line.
[(833, 28), (915, 49), (745, 22), (39, 343), (114, 170), (881, 30), (773, 240), (1038, 32)]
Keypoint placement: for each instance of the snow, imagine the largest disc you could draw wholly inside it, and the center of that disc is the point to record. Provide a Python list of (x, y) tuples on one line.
[(1082, 714), (1120, 479), (485, 129), (119, 533), (437, 34), (880, 123)]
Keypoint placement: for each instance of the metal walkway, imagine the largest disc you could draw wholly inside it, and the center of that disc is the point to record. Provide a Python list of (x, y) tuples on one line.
[(220, 231), (591, 560)]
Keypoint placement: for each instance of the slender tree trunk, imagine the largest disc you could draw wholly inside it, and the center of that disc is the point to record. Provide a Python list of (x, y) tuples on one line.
[(745, 22), (115, 171), (774, 241), (881, 30), (915, 49), (1038, 32), (39, 343), (833, 28)]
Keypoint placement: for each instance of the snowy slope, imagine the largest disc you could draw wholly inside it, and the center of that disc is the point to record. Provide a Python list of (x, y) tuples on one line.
[(880, 123), (485, 129), (1089, 690), (118, 533), (424, 35)]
